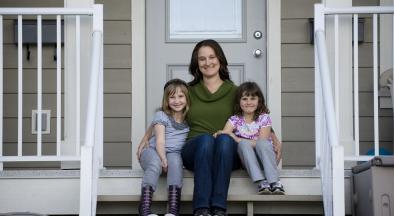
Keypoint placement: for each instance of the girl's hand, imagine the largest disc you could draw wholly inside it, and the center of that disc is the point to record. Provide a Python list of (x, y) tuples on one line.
[(277, 147), (217, 133), (143, 144), (164, 165)]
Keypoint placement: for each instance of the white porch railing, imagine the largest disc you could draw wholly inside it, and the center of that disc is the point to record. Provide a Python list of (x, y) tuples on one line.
[(329, 153), (88, 154)]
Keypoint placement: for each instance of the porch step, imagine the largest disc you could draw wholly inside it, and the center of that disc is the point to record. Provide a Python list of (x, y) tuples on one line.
[(119, 190), (303, 193)]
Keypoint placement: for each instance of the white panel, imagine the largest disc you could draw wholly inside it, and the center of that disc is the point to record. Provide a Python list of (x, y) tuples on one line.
[(185, 20)]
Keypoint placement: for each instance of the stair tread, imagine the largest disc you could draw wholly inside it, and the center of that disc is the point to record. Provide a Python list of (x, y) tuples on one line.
[(231, 197)]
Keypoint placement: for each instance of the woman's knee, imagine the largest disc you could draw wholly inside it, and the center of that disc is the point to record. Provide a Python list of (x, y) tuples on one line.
[(205, 142), (225, 144)]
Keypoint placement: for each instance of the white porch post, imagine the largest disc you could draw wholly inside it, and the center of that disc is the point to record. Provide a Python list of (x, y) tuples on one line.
[(343, 70), (74, 116)]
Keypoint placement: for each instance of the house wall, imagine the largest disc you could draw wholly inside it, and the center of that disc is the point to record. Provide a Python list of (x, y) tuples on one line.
[(298, 130), (117, 86)]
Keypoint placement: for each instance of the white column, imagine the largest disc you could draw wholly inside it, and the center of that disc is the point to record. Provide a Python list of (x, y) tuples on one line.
[(72, 132), (344, 69), (138, 77)]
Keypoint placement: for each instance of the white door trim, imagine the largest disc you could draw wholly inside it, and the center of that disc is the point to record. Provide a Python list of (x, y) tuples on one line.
[(138, 88)]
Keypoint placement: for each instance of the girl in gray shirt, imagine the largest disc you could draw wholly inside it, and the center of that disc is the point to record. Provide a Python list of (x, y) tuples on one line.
[(164, 150)]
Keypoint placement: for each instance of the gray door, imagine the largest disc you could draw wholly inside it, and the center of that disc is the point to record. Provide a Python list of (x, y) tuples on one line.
[(174, 26)]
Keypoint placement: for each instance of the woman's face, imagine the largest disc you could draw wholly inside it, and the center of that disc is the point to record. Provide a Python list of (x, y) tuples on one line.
[(208, 63)]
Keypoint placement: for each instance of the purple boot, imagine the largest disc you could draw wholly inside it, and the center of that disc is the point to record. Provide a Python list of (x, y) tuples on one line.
[(174, 200), (146, 201)]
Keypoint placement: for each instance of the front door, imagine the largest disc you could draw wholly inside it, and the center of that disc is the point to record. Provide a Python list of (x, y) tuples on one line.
[(173, 27)]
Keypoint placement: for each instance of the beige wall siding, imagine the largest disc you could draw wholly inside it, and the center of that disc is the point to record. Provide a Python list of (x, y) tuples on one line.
[(298, 86), (117, 85), (117, 82)]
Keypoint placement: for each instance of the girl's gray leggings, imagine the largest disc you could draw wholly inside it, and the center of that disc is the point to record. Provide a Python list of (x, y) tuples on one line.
[(151, 163), (260, 161)]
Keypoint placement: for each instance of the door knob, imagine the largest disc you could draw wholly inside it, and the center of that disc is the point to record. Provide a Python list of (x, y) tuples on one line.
[(257, 53)]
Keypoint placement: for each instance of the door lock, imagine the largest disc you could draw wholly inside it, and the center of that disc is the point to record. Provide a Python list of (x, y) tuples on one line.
[(257, 34)]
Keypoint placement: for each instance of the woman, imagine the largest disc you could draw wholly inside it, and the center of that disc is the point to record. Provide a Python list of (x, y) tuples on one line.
[(212, 159)]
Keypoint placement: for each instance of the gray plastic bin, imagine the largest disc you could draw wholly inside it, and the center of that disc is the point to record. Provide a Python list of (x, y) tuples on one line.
[(373, 187)]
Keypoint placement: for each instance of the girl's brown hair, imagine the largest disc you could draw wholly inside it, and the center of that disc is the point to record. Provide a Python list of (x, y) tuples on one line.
[(193, 66), (169, 89), (250, 89)]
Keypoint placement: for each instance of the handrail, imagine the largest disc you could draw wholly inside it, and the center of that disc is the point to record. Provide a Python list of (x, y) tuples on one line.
[(331, 161), (325, 82), (89, 159), (47, 11), (360, 10)]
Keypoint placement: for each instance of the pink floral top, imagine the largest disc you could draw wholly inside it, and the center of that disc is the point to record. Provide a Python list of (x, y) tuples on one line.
[(249, 130)]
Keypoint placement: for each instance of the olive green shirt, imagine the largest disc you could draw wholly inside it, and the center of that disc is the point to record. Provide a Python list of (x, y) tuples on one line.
[(209, 112)]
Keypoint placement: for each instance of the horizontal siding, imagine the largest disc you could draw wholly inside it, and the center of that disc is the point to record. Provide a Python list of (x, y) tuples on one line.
[(117, 82), (116, 9), (29, 3), (115, 130), (30, 81), (29, 103), (117, 154), (299, 154)]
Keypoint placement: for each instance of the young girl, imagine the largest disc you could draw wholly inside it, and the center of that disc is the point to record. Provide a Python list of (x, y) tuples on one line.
[(164, 150), (251, 128)]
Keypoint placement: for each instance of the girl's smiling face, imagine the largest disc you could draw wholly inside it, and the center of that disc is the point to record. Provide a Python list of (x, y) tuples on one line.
[(177, 101), (249, 104)]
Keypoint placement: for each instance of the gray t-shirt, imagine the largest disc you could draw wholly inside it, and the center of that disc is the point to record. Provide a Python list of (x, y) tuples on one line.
[(175, 133)]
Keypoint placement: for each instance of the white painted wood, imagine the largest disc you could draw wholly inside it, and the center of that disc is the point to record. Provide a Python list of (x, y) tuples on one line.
[(1, 89), (336, 67), (58, 86), (355, 89), (274, 78), (39, 85), (338, 181), (73, 106), (375, 84), (138, 77), (20, 86), (46, 11), (345, 106)]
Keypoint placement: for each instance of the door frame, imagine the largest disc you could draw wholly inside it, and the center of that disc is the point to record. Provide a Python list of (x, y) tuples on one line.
[(138, 71)]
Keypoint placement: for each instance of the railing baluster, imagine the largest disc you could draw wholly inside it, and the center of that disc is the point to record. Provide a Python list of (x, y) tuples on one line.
[(1, 90), (355, 85), (39, 85), (336, 66), (58, 85), (78, 81), (375, 83), (20, 86)]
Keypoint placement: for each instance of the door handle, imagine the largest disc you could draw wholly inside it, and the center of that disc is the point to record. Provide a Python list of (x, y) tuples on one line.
[(257, 53)]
